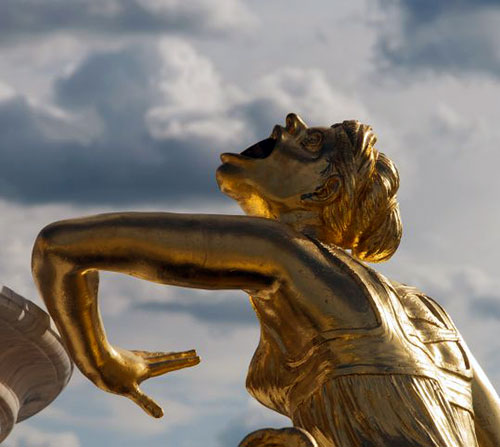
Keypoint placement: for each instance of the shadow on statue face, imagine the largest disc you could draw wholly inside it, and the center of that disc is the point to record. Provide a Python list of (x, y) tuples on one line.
[(275, 175)]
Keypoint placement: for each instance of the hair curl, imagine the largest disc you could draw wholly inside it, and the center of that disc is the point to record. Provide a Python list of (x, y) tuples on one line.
[(365, 216)]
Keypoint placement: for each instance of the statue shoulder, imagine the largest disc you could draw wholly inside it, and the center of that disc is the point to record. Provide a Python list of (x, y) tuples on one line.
[(421, 307)]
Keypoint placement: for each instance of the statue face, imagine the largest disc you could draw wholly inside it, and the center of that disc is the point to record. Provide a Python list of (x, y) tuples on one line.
[(273, 176)]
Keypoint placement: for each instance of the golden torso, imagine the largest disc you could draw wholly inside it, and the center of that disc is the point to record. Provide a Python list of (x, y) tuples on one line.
[(293, 333), (324, 316)]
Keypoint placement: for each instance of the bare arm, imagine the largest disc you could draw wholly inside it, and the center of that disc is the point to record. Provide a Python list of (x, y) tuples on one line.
[(203, 251)]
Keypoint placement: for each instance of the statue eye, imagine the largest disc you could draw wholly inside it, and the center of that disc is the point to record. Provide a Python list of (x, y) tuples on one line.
[(312, 141)]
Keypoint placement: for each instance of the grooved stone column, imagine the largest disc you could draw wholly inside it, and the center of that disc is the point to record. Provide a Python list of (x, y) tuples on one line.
[(34, 366)]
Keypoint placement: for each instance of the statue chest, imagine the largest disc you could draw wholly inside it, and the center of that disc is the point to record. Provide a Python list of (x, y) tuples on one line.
[(268, 378), (285, 332)]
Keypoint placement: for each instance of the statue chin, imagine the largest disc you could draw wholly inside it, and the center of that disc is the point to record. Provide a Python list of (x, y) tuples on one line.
[(255, 205), (229, 180), (249, 201)]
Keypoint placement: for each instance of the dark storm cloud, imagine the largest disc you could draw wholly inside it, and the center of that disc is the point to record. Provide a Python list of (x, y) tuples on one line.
[(103, 151), (122, 163), (29, 17), (36, 170), (459, 35), (235, 312), (421, 11)]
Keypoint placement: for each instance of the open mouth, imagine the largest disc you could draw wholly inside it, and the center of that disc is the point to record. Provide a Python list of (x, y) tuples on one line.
[(262, 149)]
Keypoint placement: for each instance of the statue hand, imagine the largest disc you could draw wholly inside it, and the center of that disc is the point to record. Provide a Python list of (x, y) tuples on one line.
[(124, 370)]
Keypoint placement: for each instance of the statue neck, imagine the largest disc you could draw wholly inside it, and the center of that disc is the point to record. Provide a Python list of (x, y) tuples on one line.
[(307, 222)]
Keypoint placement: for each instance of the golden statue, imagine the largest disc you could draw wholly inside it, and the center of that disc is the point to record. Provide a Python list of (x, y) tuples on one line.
[(352, 358)]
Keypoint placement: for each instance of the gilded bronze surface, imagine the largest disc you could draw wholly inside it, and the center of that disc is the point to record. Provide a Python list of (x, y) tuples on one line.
[(351, 357)]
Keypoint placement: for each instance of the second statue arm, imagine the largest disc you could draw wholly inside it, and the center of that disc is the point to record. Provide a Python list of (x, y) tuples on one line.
[(202, 251)]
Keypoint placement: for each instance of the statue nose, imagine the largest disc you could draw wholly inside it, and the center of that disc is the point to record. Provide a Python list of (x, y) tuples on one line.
[(277, 132), (294, 123)]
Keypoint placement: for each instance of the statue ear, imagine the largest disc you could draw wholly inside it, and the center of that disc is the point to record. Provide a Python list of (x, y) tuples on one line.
[(325, 193)]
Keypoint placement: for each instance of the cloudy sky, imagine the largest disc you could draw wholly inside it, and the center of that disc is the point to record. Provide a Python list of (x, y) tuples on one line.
[(126, 104)]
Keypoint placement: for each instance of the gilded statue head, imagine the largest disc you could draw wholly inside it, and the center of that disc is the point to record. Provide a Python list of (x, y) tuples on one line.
[(329, 181)]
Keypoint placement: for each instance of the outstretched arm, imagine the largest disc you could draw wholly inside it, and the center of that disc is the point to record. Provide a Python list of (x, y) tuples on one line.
[(202, 251)]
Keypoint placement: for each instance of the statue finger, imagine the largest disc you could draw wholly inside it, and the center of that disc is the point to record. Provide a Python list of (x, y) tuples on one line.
[(170, 362), (153, 356), (145, 402)]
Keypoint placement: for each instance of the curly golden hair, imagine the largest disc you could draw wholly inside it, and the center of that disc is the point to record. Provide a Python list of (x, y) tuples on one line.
[(365, 216)]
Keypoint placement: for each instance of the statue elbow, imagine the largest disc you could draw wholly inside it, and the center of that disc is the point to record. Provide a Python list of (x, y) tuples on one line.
[(44, 249)]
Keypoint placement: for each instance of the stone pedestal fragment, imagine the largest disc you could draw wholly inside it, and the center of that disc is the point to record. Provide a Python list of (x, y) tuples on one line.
[(34, 366)]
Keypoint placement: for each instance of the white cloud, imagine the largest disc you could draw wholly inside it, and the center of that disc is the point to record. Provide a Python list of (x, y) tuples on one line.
[(19, 226), (309, 92), (32, 18), (188, 80), (455, 37), (25, 435), (195, 98), (6, 91), (199, 103), (109, 8), (31, 66), (115, 414), (218, 15)]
